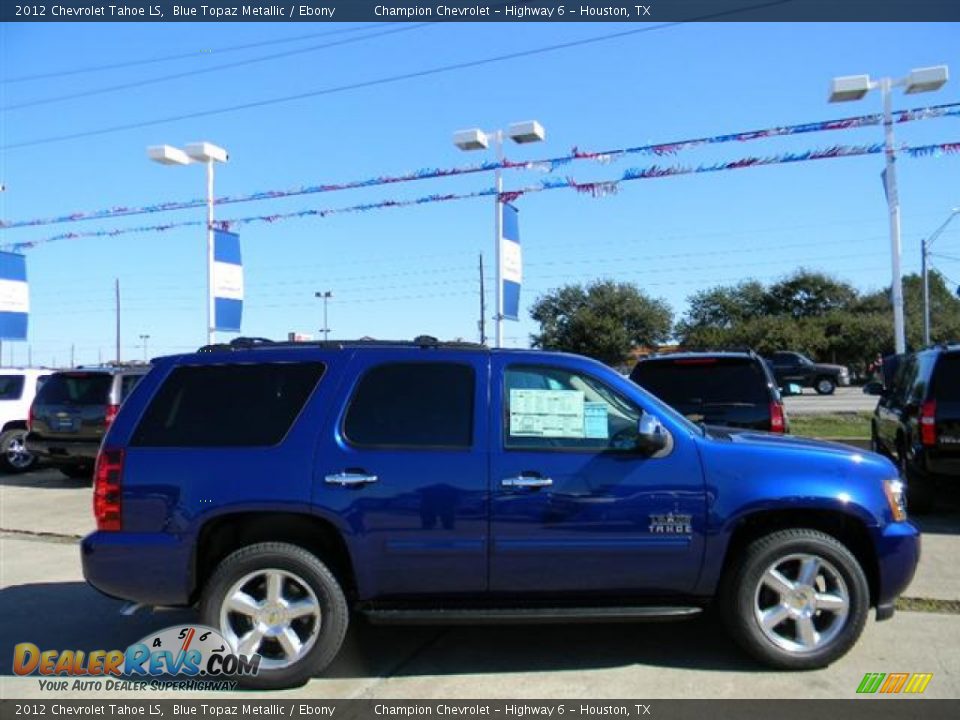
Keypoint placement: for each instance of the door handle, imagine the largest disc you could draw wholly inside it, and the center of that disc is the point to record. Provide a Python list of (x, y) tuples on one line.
[(527, 481), (350, 479)]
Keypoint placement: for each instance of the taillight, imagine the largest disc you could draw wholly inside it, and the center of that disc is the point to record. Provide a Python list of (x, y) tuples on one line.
[(778, 421), (112, 411), (107, 490), (31, 418), (928, 423)]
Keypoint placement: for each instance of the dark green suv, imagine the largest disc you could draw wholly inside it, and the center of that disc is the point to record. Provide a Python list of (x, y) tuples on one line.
[(917, 422), (71, 414)]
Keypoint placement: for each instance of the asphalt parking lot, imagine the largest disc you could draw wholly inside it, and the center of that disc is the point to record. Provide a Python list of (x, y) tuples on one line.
[(843, 400), (44, 600)]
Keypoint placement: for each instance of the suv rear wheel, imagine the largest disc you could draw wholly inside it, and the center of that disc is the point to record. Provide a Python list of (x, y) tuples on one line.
[(14, 457), (279, 601), (797, 599)]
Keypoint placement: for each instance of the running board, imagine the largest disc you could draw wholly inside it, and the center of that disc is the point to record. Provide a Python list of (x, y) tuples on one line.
[(468, 616)]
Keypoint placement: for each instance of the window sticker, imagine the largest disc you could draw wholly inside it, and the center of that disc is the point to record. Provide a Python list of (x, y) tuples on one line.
[(595, 420), (546, 413)]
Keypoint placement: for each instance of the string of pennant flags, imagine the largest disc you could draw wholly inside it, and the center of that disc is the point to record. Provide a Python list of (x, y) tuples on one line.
[(594, 189), (549, 165)]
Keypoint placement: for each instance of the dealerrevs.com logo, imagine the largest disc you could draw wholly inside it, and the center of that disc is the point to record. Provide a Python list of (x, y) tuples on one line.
[(194, 651)]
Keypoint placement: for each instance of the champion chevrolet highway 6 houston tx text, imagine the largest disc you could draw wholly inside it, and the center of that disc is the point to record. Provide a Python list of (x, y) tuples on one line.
[(513, 12)]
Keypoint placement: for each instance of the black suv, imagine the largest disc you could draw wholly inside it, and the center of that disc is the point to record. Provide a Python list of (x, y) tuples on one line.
[(793, 368), (917, 421), (735, 389), (71, 414)]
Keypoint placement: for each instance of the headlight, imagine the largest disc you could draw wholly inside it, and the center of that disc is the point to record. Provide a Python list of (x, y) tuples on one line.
[(897, 498)]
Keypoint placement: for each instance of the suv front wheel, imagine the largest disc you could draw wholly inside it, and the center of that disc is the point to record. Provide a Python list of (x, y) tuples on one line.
[(279, 601), (797, 599)]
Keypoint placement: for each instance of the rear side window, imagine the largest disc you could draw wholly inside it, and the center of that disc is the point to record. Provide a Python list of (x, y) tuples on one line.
[(11, 387), (413, 405), (227, 405), (75, 389), (127, 384), (704, 381), (946, 381)]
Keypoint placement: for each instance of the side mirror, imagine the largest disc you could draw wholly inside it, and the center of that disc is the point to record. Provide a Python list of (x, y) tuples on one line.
[(873, 387), (652, 436)]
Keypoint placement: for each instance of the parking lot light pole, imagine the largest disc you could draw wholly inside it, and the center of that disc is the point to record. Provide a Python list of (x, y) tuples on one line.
[(325, 295), (207, 153), (924, 255), (475, 139), (144, 338), (855, 87)]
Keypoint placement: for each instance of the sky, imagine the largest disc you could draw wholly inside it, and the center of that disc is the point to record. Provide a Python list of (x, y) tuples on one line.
[(398, 273)]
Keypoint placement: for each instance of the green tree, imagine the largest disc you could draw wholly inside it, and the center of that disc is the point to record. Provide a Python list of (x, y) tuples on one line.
[(809, 294), (604, 320), (944, 309), (725, 306)]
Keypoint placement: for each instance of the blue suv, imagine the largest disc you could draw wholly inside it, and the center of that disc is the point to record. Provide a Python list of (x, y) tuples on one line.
[(281, 487)]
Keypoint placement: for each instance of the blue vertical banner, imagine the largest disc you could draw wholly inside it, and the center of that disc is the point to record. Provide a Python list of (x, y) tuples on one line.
[(227, 285), (14, 296), (511, 260)]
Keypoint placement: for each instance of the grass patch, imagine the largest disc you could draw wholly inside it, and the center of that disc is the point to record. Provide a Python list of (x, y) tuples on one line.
[(910, 604), (832, 425)]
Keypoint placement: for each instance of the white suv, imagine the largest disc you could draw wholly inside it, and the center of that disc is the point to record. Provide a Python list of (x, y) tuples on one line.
[(18, 386)]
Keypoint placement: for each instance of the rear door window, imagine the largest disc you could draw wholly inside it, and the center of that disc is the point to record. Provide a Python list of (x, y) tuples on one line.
[(75, 389), (11, 387), (227, 405), (687, 382), (411, 405)]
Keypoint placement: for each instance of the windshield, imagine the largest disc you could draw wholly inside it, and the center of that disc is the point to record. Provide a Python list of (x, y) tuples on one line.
[(11, 387), (75, 389)]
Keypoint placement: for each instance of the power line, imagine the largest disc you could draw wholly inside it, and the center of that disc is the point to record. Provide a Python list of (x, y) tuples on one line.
[(184, 56), (202, 71), (385, 80)]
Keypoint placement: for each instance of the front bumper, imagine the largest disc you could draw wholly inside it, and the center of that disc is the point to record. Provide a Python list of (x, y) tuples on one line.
[(148, 568), (62, 452), (898, 553)]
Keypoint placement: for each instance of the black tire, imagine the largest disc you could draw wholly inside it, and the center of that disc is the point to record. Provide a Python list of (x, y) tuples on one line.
[(740, 591), (77, 472), (825, 385), (12, 459), (311, 571)]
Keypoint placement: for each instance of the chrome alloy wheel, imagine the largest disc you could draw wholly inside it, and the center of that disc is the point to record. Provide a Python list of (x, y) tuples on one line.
[(274, 613), (801, 603), (17, 455)]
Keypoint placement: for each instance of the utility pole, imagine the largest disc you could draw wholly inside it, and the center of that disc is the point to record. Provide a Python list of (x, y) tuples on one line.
[(73, 364), (925, 269), (325, 295), (144, 338), (483, 307), (117, 294)]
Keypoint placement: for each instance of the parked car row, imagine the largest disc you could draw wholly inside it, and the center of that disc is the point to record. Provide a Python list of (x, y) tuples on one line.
[(60, 417)]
